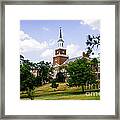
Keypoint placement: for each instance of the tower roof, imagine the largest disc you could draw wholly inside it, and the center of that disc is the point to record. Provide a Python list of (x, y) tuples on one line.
[(60, 33), (60, 36)]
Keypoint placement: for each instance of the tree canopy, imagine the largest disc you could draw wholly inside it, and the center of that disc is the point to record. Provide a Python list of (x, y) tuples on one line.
[(92, 41), (80, 72)]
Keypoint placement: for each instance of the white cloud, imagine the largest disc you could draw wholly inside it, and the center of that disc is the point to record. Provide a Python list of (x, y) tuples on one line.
[(38, 51), (94, 24), (45, 29), (34, 49), (47, 54), (52, 42), (28, 44), (24, 36), (73, 50)]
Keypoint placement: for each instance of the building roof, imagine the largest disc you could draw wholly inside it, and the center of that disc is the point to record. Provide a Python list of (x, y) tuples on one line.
[(60, 40), (60, 33), (72, 59), (75, 58), (60, 37)]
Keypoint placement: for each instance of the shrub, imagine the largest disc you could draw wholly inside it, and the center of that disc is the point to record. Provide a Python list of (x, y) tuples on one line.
[(54, 84)]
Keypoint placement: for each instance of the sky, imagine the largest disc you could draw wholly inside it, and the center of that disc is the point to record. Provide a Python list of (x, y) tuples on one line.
[(38, 38)]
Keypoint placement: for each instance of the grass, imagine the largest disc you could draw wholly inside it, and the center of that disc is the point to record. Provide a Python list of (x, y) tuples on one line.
[(63, 92), (67, 97)]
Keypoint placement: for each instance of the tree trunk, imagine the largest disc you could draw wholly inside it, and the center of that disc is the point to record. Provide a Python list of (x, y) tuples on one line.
[(83, 88), (30, 94)]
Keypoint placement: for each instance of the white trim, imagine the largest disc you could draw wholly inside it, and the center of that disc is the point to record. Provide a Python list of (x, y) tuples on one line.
[(61, 55)]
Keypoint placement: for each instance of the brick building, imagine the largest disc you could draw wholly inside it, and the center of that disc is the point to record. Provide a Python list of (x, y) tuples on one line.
[(60, 53)]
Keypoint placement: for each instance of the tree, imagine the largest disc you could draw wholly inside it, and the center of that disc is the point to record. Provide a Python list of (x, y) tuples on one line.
[(94, 63), (54, 84), (27, 82), (24, 74), (92, 42), (60, 77), (51, 73), (80, 72), (43, 71)]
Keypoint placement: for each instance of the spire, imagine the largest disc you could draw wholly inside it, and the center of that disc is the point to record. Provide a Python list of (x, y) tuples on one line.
[(60, 40), (60, 33)]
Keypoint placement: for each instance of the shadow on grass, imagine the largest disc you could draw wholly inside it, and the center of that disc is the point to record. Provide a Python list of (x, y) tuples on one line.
[(61, 93)]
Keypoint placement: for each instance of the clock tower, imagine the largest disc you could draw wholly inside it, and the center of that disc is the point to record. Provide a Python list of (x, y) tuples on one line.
[(60, 53)]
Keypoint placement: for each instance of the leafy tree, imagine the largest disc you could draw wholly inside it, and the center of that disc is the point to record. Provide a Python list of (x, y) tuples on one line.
[(31, 87), (60, 77), (92, 42), (24, 74), (43, 71), (80, 72), (54, 84), (94, 63), (27, 80), (51, 73), (38, 81)]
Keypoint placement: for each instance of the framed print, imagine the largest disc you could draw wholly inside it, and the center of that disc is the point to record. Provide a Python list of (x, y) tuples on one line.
[(60, 60)]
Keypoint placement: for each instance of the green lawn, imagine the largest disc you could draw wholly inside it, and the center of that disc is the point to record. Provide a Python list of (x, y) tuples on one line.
[(67, 97), (63, 92)]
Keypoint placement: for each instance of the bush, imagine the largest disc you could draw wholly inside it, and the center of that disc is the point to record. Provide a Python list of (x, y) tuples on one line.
[(60, 77), (54, 84), (72, 83), (38, 81)]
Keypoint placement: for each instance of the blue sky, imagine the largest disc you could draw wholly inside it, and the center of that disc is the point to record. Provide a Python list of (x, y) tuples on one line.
[(38, 38)]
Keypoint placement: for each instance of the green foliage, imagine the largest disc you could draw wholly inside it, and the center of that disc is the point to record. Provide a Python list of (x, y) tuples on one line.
[(38, 81), (31, 94), (43, 71), (92, 42), (51, 73), (27, 80), (63, 92), (94, 64), (24, 75), (54, 84), (60, 77), (80, 72)]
